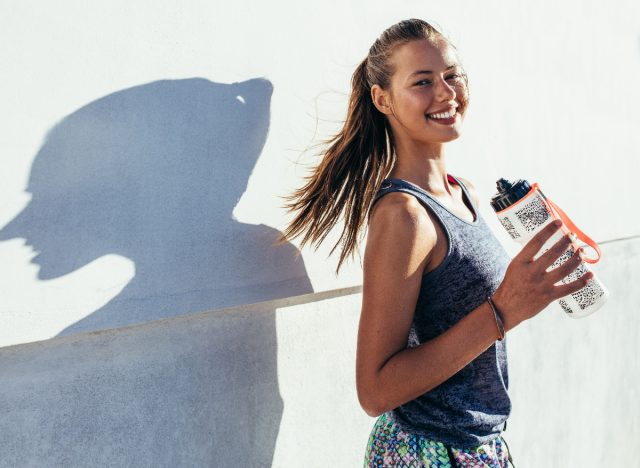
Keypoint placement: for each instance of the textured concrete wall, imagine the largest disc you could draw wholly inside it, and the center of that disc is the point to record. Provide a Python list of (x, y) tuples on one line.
[(144, 150), (273, 384), (249, 387)]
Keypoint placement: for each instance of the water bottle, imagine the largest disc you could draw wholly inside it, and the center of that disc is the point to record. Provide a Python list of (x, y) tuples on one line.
[(523, 210)]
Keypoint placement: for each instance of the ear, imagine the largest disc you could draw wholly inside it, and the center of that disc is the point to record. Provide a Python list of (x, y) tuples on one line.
[(381, 99)]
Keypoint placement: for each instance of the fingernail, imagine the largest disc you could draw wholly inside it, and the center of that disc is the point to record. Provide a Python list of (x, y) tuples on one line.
[(557, 222)]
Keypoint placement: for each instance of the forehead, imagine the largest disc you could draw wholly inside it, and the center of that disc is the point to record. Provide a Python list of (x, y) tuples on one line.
[(422, 54)]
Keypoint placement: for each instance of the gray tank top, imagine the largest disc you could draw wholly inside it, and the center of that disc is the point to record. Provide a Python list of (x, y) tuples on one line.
[(471, 407)]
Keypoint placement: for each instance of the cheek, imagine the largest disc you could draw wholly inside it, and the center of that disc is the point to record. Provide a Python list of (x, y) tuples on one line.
[(420, 100), (462, 96)]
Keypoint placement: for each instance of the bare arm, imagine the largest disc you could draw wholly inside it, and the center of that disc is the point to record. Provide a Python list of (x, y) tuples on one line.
[(400, 239), (414, 371)]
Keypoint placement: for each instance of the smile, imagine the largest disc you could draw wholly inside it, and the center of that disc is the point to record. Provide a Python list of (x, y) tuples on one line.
[(443, 115), (445, 118)]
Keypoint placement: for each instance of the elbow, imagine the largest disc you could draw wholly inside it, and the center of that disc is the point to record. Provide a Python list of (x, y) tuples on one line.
[(371, 410), (369, 403)]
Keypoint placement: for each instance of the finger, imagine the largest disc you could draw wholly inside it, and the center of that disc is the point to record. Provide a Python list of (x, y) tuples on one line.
[(534, 245), (555, 251), (568, 267), (570, 288)]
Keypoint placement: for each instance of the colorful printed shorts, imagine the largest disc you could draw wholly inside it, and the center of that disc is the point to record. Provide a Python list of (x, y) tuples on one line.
[(390, 446)]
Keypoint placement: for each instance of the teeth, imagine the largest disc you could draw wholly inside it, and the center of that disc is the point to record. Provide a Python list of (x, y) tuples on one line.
[(445, 115)]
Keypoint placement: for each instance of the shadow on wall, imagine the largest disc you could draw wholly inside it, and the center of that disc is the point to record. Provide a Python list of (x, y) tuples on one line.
[(153, 173), (194, 391)]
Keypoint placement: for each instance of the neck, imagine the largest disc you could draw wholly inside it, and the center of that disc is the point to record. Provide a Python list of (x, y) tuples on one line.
[(426, 170)]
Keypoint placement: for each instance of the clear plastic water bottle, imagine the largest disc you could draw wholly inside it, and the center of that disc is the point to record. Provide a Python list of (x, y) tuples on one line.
[(523, 210)]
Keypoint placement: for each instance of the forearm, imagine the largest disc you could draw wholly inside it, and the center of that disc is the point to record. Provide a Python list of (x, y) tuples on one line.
[(414, 371)]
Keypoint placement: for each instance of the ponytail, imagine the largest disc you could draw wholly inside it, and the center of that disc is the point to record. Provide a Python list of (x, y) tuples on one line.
[(356, 161)]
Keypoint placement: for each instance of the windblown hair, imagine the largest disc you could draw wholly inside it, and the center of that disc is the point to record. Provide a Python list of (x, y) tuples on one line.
[(359, 156)]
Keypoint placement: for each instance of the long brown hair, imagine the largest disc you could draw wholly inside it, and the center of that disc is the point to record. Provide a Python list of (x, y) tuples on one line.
[(359, 156)]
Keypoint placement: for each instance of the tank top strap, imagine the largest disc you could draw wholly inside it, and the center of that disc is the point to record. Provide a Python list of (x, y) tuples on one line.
[(465, 190), (443, 213)]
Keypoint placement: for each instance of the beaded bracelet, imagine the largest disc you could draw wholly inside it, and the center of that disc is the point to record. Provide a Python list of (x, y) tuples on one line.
[(498, 318)]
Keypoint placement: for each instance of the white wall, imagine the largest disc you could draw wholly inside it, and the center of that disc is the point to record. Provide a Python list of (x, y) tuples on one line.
[(144, 150)]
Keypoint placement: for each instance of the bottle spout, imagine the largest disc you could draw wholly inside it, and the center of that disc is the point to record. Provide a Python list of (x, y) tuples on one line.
[(503, 184), (509, 193)]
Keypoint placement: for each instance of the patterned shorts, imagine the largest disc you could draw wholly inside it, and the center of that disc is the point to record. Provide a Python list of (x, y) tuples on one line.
[(390, 446)]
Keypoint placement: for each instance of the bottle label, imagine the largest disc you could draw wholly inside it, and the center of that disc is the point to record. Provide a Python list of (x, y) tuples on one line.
[(524, 218)]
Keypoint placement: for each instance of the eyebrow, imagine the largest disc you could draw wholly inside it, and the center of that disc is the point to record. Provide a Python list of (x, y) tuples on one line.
[(428, 72)]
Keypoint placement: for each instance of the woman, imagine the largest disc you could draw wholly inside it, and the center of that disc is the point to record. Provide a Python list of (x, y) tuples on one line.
[(439, 291)]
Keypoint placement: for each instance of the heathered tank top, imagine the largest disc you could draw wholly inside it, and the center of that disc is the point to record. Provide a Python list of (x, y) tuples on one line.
[(471, 407)]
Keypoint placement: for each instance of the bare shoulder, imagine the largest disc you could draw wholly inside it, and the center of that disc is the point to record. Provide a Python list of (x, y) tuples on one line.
[(472, 190), (400, 239), (398, 211)]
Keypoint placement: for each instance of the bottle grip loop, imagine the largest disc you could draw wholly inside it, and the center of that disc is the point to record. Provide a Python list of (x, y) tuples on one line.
[(576, 232)]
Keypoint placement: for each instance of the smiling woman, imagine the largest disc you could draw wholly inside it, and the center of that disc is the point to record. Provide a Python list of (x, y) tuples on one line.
[(439, 290)]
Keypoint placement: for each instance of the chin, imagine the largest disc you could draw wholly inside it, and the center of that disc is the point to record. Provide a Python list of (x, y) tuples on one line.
[(454, 137), (447, 139)]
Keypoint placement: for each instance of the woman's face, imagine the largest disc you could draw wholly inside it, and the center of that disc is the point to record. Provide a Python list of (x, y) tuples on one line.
[(427, 84)]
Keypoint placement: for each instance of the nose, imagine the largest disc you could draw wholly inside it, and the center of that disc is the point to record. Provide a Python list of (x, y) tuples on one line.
[(444, 92)]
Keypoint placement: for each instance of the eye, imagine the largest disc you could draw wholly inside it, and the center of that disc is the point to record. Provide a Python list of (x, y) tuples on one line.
[(423, 81), (454, 76)]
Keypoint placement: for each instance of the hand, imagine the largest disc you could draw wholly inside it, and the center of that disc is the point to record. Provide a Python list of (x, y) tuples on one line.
[(527, 288)]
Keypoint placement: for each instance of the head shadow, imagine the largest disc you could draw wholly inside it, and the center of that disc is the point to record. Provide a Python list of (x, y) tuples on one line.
[(152, 173)]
